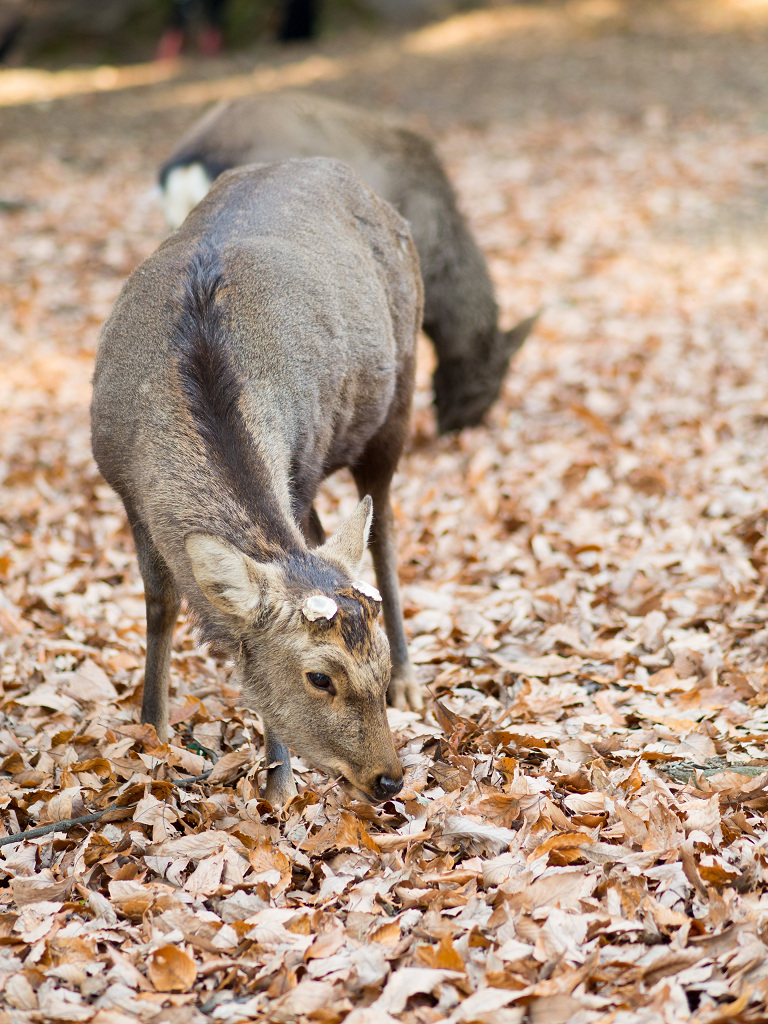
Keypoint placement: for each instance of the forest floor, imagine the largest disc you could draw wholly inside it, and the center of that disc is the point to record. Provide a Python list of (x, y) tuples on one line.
[(583, 835)]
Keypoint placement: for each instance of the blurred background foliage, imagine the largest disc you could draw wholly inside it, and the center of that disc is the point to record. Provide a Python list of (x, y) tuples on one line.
[(59, 32)]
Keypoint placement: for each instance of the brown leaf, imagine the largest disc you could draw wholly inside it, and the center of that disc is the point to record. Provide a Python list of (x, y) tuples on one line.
[(32, 890), (230, 765), (386, 842), (326, 944), (443, 955), (564, 843), (68, 803), (271, 864), (171, 969), (348, 833), (205, 879), (388, 934), (87, 682)]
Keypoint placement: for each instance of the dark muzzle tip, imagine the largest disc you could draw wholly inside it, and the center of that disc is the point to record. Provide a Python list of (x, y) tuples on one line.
[(384, 788)]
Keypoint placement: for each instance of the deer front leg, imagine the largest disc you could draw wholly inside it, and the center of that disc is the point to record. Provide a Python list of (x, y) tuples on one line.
[(404, 690), (281, 785), (163, 603)]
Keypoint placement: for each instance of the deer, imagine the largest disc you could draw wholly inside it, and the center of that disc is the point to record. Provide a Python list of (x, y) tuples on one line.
[(266, 344), (460, 310)]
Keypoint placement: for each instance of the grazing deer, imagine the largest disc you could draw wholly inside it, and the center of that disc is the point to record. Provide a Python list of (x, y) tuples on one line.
[(460, 312), (264, 345)]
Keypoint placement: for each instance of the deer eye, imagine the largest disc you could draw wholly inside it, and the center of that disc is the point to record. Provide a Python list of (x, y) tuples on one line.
[(322, 682)]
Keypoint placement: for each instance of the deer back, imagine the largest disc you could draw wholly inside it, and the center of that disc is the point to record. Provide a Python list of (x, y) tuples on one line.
[(318, 294)]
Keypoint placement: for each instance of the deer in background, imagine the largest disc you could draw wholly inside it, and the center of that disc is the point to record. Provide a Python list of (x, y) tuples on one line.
[(266, 344), (460, 311)]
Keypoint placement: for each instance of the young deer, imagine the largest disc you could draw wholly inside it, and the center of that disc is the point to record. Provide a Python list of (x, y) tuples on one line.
[(264, 345), (460, 312)]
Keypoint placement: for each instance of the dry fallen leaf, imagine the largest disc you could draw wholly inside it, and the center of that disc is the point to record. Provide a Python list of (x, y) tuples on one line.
[(171, 969), (227, 767)]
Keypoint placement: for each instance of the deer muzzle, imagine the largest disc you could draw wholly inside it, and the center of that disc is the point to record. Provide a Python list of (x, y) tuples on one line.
[(382, 785)]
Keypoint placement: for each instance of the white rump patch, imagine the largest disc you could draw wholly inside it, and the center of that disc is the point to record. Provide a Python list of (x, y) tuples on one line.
[(366, 590), (319, 607), (184, 188)]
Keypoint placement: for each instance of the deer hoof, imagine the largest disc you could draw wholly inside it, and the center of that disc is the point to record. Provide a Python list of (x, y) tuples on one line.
[(413, 695), (405, 694)]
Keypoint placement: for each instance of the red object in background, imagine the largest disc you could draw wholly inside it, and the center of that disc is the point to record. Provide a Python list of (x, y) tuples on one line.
[(171, 44), (210, 41)]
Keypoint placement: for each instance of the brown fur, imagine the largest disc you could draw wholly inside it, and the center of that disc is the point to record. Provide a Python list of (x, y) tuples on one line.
[(267, 343), (460, 312)]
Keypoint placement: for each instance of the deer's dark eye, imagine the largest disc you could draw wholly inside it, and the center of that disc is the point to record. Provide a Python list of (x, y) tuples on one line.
[(322, 682)]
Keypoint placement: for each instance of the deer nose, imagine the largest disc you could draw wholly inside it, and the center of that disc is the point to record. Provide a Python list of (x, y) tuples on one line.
[(385, 787)]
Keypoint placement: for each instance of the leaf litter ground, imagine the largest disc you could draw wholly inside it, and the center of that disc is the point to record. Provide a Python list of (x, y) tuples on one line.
[(582, 835)]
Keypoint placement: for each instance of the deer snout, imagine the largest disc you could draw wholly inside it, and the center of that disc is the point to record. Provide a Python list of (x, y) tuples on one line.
[(385, 787), (386, 780)]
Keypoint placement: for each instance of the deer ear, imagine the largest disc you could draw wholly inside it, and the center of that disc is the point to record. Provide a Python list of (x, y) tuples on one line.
[(347, 546), (513, 339), (229, 579)]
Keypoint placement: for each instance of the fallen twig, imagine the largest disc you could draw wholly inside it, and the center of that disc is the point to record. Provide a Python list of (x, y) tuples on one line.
[(68, 823), (192, 778), (59, 826)]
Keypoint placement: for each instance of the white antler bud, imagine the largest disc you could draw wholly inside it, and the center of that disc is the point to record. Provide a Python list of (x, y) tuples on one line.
[(319, 607), (366, 590)]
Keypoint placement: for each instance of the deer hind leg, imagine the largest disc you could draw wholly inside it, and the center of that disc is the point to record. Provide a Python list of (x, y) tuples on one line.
[(373, 476), (163, 603), (281, 785)]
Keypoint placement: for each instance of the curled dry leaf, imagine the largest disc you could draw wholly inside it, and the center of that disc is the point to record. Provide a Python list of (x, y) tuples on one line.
[(68, 803)]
